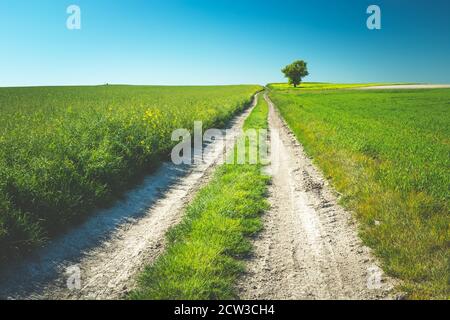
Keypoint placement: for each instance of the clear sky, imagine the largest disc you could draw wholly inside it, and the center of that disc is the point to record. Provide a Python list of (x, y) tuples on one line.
[(222, 42)]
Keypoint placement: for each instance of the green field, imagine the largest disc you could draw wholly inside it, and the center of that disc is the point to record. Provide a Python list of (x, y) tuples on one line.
[(324, 86), (67, 150), (202, 257), (388, 154)]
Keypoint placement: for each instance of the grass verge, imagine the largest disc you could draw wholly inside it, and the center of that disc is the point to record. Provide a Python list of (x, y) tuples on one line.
[(387, 152), (202, 257)]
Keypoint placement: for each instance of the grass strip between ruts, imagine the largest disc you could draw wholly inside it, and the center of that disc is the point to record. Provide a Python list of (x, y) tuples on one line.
[(202, 258)]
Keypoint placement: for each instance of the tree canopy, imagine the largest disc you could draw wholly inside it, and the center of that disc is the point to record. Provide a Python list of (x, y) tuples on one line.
[(295, 72)]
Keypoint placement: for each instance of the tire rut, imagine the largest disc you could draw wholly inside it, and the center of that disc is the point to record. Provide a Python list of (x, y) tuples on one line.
[(309, 247)]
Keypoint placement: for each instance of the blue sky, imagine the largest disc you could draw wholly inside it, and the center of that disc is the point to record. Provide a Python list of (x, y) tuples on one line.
[(221, 42)]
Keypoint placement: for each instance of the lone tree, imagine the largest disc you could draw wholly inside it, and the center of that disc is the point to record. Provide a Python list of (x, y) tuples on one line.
[(295, 72)]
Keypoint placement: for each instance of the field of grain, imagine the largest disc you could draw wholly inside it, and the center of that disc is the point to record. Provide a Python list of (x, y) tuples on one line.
[(324, 86), (67, 150), (387, 153)]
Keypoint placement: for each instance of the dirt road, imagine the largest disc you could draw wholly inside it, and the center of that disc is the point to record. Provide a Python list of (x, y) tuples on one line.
[(109, 249), (309, 248)]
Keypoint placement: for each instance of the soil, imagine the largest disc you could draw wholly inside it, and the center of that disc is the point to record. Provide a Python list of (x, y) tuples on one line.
[(309, 247)]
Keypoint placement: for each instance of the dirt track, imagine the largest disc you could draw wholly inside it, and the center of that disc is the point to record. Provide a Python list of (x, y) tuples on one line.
[(309, 248), (112, 246)]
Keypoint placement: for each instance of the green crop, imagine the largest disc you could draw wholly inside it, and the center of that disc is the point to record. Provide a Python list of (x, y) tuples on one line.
[(324, 86), (66, 150), (388, 154)]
